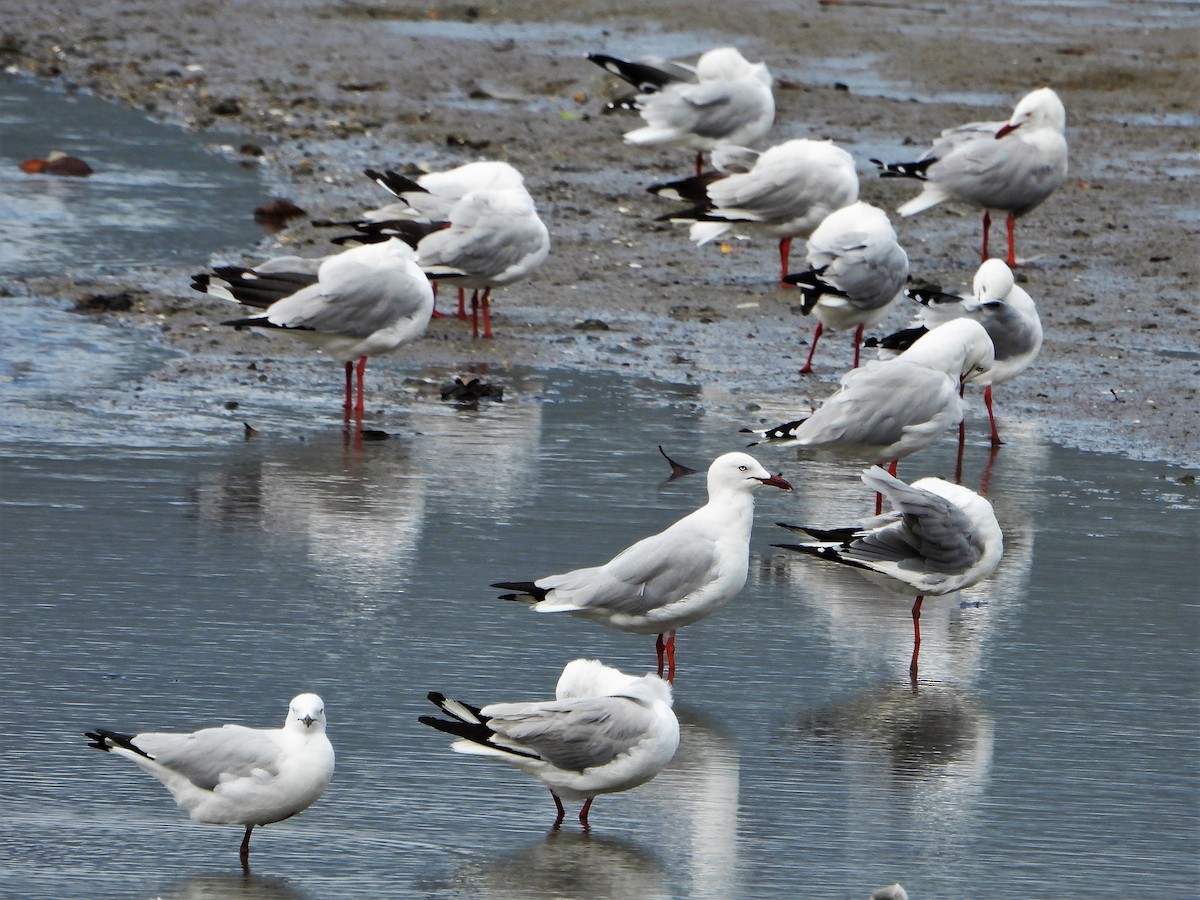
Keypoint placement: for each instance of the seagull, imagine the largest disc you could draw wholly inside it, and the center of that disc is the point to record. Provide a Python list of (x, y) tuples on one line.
[(725, 99), (361, 302), (491, 239), (234, 775), (890, 408), (429, 198), (940, 538), (604, 732), (1008, 167), (1006, 312), (787, 191), (856, 269), (673, 578)]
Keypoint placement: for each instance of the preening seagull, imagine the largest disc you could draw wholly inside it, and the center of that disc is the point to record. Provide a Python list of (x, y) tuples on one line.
[(939, 538), (673, 578), (725, 99), (604, 732), (1005, 311), (856, 269), (1008, 167), (787, 192), (234, 775), (362, 302)]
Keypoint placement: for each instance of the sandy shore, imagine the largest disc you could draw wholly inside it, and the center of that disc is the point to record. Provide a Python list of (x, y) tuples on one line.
[(327, 89)]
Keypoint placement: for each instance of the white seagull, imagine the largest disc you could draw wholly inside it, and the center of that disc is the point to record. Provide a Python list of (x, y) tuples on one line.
[(604, 732), (725, 99), (358, 303), (491, 239), (788, 192), (1008, 167), (673, 578), (234, 775), (1006, 312), (428, 198), (940, 538), (856, 269), (890, 408)]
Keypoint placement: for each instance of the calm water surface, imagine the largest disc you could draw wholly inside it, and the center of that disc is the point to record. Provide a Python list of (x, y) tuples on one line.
[(160, 572)]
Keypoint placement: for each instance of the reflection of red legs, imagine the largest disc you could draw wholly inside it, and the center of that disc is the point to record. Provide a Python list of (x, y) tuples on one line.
[(561, 812), (987, 224), (583, 813), (916, 617), (487, 312), (475, 313), (349, 402), (785, 250), (807, 369), (1012, 246), (244, 851), (664, 645), (987, 400), (987, 471)]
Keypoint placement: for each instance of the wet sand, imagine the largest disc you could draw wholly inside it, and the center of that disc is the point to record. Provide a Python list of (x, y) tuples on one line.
[(328, 89)]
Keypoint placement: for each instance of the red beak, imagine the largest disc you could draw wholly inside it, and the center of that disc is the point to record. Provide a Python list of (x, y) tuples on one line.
[(777, 481), (1006, 129)]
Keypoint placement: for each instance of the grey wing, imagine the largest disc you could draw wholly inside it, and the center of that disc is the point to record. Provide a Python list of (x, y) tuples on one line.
[(868, 269), (491, 247), (573, 734), (939, 532), (876, 403), (999, 174), (1012, 334), (212, 755), (651, 574), (720, 108), (356, 301)]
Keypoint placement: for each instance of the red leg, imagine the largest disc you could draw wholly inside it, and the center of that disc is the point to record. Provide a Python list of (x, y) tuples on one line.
[(785, 250), (916, 617), (857, 343), (699, 163), (807, 368), (348, 404), (561, 812), (1012, 244), (487, 313), (358, 405), (244, 851), (583, 813), (670, 650), (892, 467), (462, 303), (436, 314), (987, 224), (660, 648), (475, 313), (987, 401)]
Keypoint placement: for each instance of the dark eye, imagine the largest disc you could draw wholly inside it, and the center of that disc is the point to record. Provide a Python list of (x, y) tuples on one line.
[(743, 468)]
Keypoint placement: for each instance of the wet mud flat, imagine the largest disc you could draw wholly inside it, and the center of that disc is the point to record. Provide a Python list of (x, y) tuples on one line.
[(327, 89)]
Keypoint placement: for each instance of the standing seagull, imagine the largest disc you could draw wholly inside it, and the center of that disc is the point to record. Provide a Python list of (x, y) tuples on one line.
[(855, 270), (1008, 167), (940, 537), (429, 199), (491, 239), (787, 192), (891, 408), (234, 775), (725, 100), (604, 732), (673, 578), (1006, 312), (361, 302)]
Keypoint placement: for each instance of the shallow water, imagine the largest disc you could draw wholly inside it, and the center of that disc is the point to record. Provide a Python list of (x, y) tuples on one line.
[(156, 194), (160, 571)]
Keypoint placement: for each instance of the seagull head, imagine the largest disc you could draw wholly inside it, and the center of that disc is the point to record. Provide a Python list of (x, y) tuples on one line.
[(1040, 108), (741, 471), (307, 710)]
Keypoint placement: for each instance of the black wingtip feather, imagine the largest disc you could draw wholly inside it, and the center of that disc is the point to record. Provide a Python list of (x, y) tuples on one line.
[(523, 588)]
